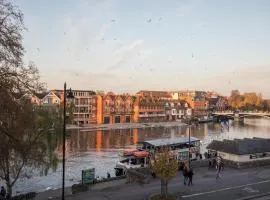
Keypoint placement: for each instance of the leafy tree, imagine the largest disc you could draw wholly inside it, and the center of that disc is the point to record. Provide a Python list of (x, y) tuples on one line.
[(247, 101), (165, 166), (25, 144), (23, 128)]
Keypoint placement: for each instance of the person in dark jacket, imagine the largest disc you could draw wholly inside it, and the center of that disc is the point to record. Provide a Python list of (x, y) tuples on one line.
[(190, 176), (185, 174)]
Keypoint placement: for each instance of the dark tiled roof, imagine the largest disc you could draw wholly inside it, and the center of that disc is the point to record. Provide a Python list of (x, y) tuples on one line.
[(241, 146), (41, 95)]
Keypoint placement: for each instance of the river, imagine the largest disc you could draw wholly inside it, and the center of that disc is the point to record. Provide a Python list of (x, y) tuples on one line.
[(99, 149)]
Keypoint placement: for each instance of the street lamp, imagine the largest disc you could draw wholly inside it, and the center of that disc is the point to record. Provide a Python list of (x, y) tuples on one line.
[(189, 142), (67, 96)]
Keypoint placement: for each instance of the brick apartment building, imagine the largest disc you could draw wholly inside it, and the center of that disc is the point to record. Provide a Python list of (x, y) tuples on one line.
[(147, 109), (114, 108)]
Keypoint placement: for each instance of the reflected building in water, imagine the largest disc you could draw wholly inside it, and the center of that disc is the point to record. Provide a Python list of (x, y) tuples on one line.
[(113, 141)]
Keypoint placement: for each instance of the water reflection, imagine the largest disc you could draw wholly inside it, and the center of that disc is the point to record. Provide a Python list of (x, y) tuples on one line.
[(99, 149), (81, 141)]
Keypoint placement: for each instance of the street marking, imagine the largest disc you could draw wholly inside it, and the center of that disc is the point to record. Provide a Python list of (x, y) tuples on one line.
[(250, 190), (224, 189)]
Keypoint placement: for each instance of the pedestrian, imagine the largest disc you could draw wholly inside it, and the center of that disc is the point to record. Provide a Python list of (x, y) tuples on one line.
[(209, 164), (108, 175), (3, 192), (190, 176), (219, 168), (222, 166), (185, 174)]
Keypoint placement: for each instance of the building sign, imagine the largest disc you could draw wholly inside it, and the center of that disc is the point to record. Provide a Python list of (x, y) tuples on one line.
[(183, 154), (88, 176)]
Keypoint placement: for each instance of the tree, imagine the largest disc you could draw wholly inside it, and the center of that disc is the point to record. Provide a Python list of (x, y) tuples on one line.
[(247, 101), (165, 166), (23, 130), (24, 145), (14, 75)]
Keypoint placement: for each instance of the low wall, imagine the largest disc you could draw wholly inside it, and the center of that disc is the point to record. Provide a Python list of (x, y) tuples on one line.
[(232, 164), (249, 164), (76, 188), (141, 175)]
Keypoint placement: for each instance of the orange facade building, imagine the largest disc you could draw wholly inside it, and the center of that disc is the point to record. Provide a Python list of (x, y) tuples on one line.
[(113, 108)]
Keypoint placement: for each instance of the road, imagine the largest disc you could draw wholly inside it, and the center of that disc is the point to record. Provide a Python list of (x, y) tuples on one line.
[(237, 192), (234, 184)]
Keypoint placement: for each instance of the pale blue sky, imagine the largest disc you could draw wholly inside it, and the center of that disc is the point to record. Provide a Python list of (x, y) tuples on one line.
[(128, 45)]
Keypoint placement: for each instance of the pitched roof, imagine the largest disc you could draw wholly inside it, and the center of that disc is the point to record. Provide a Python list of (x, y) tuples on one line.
[(41, 95), (170, 141), (241, 146)]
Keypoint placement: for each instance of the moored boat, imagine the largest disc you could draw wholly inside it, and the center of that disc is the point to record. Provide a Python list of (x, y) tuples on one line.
[(184, 148), (133, 158)]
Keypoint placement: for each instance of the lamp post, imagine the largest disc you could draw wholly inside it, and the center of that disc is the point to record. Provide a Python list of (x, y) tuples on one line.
[(67, 96), (189, 141), (189, 124)]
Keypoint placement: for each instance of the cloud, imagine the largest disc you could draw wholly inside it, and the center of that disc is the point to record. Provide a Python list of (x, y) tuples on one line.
[(129, 47), (125, 53), (102, 31), (77, 33), (80, 74)]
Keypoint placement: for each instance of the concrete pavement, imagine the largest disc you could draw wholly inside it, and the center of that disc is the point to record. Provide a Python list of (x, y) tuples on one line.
[(234, 184), (95, 127)]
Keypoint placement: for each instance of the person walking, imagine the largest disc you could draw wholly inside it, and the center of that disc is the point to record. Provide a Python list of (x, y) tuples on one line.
[(220, 168), (190, 176), (185, 174)]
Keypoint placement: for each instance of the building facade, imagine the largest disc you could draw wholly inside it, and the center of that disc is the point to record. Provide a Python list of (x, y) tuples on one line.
[(114, 108), (162, 95), (149, 109), (188, 96), (177, 110), (32, 98), (51, 98), (242, 150), (85, 106), (218, 104), (200, 107)]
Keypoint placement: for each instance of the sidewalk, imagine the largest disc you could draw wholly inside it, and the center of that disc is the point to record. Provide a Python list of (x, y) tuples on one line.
[(204, 181), (126, 126)]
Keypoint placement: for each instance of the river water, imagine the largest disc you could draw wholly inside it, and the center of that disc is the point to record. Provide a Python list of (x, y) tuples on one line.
[(100, 149)]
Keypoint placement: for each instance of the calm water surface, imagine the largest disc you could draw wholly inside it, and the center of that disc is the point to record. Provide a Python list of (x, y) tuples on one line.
[(100, 149)]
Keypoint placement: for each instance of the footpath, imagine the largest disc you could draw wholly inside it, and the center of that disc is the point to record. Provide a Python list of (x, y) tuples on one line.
[(95, 127), (234, 184)]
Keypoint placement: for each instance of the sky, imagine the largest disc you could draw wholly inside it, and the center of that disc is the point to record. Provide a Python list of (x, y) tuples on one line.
[(127, 45)]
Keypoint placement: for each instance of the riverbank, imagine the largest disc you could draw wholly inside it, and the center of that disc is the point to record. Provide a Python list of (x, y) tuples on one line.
[(126, 126), (234, 184)]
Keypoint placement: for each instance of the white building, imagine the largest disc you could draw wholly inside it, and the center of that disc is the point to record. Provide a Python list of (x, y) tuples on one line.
[(242, 150)]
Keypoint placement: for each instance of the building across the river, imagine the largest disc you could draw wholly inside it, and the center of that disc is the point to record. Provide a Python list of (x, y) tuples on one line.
[(243, 151), (113, 109)]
